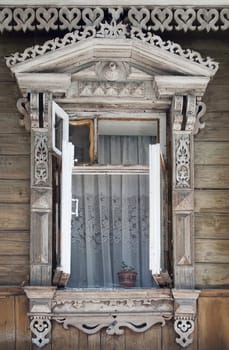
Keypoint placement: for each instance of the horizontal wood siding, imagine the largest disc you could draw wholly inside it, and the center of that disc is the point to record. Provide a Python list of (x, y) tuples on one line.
[(14, 188), (212, 187)]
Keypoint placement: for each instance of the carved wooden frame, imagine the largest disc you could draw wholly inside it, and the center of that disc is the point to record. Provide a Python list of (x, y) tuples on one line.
[(180, 93)]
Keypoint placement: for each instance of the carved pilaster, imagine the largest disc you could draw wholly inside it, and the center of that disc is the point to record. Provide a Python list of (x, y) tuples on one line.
[(183, 121), (185, 310), (41, 193)]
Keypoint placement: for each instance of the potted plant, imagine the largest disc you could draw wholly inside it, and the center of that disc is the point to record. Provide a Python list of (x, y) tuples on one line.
[(127, 276)]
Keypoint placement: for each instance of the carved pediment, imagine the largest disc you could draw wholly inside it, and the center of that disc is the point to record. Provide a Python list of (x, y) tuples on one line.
[(110, 53)]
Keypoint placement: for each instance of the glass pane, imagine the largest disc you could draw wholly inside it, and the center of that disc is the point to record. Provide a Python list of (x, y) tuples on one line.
[(124, 150), (79, 135), (112, 226)]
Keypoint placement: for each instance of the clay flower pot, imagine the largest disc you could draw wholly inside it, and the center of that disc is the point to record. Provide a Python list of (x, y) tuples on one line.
[(127, 279)]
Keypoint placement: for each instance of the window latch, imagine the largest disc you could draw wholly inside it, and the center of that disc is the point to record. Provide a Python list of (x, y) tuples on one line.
[(75, 211)]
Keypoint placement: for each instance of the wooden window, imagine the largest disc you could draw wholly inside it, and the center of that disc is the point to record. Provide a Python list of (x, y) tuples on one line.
[(114, 187)]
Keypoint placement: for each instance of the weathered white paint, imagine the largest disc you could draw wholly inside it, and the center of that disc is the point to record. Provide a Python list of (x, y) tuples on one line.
[(155, 210), (66, 207), (57, 110)]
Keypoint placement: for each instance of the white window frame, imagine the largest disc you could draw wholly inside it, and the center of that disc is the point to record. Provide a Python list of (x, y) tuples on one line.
[(68, 170)]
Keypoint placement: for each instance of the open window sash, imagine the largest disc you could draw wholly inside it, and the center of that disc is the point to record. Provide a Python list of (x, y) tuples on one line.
[(65, 151), (156, 185)]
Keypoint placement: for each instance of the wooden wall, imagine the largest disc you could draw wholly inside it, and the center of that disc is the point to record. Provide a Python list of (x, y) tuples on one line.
[(212, 173), (14, 180), (212, 333)]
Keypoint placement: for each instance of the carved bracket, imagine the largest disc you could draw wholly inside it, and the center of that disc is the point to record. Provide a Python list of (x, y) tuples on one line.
[(184, 328), (40, 327), (185, 309)]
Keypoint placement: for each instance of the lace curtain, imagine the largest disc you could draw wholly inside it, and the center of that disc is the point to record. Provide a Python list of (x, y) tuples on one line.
[(113, 218)]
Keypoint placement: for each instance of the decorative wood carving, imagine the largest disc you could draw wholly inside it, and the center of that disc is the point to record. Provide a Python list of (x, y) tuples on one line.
[(184, 328), (112, 30), (40, 327), (114, 323), (113, 301), (200, 112), (41, 171), (23, 107), (185, 304), (72, 18), (41, 193), (182, 160)]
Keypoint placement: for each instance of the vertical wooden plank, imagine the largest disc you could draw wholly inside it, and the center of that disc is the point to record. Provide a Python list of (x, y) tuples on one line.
[(134, 341), (7, 323), (94, 342), (64, 338), (83, 341), (153, 338), (169, 337), (213, 323), (23, 339), (112, 342)]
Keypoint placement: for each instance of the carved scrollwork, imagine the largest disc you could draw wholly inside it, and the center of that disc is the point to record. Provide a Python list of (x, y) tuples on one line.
[(40, 327), (47, 18), (184, 328), (23, 107), (6, 17), (115, 29), (183, 161), (208, 19), (114, 324), (41, 159), (200, 112), (71, 18), (161, 19), (139, 17), (24, 19), (224, 17), (185, 19)]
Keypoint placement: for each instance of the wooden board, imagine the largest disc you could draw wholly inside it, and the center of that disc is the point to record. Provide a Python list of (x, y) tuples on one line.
[(212, 153), (212, 176), (212, 250), (211, 201), (14, 217), (14, 167), (22, 323), (7, 322), (211, 275), (12, 144), (213, 323), (211, 225), (64, 338), (9, 123), (16, 191), (216, 127)]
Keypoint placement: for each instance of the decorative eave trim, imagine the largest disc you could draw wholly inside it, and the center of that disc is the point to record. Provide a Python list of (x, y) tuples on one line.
[(160, 16), (151, 46)]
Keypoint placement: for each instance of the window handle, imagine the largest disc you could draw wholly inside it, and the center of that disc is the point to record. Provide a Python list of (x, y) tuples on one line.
[(76, 211)]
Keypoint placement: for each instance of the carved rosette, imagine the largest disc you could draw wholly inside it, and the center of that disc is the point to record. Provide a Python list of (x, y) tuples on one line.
[(41, 159), (40, 327), (182, 161)]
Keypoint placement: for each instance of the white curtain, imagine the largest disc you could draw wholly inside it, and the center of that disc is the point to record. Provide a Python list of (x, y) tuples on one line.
[(113, 218)]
